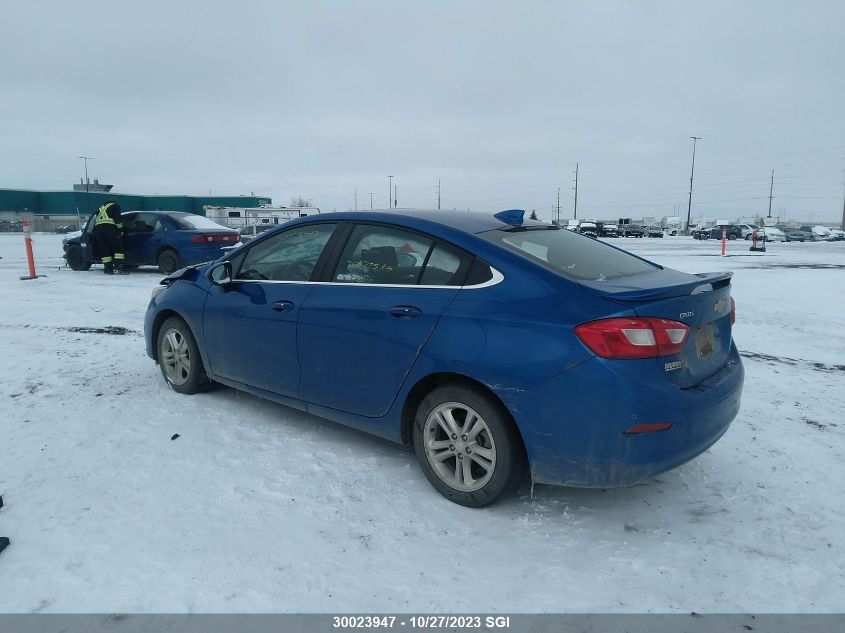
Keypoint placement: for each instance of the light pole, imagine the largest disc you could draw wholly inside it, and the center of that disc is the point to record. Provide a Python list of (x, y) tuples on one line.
[(390, 192), (371, 201), (691, 173), (85, 159)]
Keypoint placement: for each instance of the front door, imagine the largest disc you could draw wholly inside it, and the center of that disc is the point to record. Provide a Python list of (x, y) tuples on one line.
[(143, 234), (250, 324)]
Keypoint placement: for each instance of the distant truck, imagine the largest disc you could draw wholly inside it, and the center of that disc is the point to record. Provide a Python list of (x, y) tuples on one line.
[(673, 225)]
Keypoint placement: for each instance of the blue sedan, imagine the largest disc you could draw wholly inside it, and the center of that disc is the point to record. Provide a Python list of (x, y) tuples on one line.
[(481, 340), (167, 239)]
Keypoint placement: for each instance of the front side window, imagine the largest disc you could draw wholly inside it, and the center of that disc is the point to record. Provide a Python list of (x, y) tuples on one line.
[(382, 255), (571, 255), (288, 256)]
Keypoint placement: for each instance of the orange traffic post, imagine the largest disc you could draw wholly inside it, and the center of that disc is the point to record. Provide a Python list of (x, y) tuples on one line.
[(27, 240), (724, 238)]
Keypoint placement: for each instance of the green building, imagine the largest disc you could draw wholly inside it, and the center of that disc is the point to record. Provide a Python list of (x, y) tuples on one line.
[(49, 209)]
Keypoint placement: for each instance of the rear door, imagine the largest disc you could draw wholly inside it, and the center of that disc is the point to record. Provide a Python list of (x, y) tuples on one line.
[(362, 329)]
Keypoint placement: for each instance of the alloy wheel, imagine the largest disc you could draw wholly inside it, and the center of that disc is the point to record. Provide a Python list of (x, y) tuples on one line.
[(175, 356), (459, 447)]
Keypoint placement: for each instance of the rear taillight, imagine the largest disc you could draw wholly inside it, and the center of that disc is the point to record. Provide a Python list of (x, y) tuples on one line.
[(209, 238), (639, 429), (640, 337), (733, 311)]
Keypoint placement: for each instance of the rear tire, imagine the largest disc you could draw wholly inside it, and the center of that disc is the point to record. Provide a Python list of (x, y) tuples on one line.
[(475, 471), (179, 357), (168, 261), (75, 259)]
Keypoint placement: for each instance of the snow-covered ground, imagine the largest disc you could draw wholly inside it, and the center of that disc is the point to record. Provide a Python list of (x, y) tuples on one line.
[(258, 508)]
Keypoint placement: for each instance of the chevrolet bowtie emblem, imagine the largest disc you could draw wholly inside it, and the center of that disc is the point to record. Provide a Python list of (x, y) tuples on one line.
[(720, 305)]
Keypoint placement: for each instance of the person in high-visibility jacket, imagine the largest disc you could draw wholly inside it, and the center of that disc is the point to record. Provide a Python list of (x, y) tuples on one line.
[(108, 227)]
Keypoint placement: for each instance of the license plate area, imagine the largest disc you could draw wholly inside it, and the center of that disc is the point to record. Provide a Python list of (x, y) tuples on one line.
[(705, 341)]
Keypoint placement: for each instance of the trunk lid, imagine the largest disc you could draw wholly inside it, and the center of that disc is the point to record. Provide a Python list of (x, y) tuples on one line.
[(702, 302)]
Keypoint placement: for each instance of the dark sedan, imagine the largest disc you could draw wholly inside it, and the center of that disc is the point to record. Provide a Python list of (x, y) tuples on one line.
[(167, 239), (796, 235), (715, 233), (631, 230)]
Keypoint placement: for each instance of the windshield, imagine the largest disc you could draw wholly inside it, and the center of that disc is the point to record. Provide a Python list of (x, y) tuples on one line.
[(191, 221), (570, 254)]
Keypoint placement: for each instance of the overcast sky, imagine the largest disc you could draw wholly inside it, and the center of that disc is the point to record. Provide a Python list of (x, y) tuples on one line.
[(498, 100)]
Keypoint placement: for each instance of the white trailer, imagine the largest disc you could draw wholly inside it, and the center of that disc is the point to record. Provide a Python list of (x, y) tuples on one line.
[(240, 217)]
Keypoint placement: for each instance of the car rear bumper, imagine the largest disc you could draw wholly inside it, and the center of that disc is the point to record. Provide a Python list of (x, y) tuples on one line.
[(573, 425), (202, 253)]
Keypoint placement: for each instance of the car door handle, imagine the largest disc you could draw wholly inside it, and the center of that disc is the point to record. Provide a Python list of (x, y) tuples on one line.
[(404, 312), (283, 306)]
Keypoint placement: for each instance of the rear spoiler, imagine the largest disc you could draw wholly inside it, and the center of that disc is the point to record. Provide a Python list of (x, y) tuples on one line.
[(661, 284)]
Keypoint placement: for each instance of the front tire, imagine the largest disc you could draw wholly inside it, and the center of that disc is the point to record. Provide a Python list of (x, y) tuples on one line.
[(75, 259), (179, 357), (168, 261), (467, 446)]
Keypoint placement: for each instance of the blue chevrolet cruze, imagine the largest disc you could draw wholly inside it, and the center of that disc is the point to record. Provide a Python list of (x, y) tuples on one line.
[(497, 347)]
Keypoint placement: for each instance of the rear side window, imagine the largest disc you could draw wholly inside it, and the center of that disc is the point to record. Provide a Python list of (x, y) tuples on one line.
[(393, 256), (382, 255), (574, 256), (143, 223)]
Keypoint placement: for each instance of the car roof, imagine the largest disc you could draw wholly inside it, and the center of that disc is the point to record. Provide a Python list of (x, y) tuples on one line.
[(468, 221), (160, 212)]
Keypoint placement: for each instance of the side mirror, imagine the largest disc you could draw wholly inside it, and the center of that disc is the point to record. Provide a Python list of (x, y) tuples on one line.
[(221, 274)]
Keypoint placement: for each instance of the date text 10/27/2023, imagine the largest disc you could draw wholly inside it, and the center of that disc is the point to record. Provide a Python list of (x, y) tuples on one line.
[(421, 622)]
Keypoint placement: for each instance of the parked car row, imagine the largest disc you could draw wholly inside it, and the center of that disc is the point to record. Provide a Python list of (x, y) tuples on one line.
[(806, 233), (66, 228), (11, 227)]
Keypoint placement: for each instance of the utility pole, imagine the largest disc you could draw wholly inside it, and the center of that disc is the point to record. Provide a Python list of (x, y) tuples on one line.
[(395, 196), (371, 201), (438, 193), (842, 226), (771, 188), (389, 192), (575, 213), (695, 139), (87, 197), (356, 198), (557, 207)]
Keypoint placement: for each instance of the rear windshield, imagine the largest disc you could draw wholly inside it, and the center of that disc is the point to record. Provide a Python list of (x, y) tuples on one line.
[(574, 256), (191, 221)]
